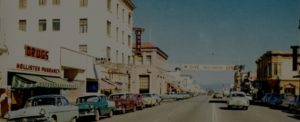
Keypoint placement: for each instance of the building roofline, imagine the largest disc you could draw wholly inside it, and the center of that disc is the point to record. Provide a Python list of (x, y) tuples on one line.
[(130, 4)]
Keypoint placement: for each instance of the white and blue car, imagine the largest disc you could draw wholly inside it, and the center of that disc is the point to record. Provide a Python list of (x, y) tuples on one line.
[(45, 108)]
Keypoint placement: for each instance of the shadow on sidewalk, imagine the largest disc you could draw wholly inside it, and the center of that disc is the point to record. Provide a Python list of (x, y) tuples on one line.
[(295, 116)]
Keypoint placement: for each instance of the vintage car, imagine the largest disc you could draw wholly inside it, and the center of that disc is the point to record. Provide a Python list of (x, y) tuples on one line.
[(123, 102), (138, 99), (238, 99), (149, 99), (45, 108), (95, 106), (157, 97), (294, 106), (217, 96)]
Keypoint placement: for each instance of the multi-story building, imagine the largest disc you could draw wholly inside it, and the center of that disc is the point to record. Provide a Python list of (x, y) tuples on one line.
[(150, 70), (61, 46), (186, 82), (274, 71)]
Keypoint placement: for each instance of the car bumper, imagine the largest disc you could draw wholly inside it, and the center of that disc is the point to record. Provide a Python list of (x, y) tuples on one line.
[(82, 114), (25, 119)]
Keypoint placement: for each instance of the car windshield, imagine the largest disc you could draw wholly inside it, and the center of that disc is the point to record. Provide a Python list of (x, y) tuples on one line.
[(146, 95), (40, 101), (237, 95), (117, 96), (87, 99)]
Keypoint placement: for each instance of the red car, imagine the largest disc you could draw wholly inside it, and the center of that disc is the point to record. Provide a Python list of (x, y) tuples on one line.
[(123, 102), (138, 98)]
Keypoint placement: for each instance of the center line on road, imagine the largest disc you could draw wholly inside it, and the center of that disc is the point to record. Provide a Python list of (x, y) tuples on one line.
[(214, 119)]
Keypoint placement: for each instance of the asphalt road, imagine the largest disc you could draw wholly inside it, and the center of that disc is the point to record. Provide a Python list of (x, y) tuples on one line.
[(199, 109)]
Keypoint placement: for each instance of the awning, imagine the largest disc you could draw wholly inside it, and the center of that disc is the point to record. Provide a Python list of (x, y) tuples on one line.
[(108, 85), (22, 81)]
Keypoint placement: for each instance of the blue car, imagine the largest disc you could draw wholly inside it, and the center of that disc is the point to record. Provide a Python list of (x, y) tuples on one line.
[(275, 100)]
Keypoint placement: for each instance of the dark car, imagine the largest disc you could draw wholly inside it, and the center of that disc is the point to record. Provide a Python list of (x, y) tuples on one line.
[(265, 98), (123, 102), (295, 104), (275, 100)]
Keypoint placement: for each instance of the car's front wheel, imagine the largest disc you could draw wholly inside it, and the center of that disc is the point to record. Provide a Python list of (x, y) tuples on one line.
[(53, 119), (97, 115)]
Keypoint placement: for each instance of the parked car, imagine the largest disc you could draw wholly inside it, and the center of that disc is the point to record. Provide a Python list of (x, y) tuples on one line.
[(238, 99), (275, 100), (138, 100), (249, 96), (123, 102), (48, 108), (157, 97), (95, 106), (286, 100), (170, 95), (149, 99), (295, 104), (266, 97)]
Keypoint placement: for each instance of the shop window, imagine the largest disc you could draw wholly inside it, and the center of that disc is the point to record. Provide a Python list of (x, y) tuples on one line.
[(91, 86)]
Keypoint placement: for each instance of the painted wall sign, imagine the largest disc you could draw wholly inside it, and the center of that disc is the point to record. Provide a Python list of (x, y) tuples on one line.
[(36, 52), (37, 68)]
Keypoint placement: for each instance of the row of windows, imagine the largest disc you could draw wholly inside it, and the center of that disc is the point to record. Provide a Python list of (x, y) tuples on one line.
[(83, 28), (108, 56), (42, 25), (109, 8), (23, 3)]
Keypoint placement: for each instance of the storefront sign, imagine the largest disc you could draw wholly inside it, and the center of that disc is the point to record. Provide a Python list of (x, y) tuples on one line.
[(37, 68), (208, 67), (36, 52), (138, 37)]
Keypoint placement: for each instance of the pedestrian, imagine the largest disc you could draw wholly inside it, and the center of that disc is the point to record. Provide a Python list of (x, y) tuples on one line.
[(4, 102)]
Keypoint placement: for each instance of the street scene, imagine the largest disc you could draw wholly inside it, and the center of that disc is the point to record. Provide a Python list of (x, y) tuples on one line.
[(149, 61)]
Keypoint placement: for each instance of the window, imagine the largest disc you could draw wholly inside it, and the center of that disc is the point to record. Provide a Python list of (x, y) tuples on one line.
[(117, 11), (123, 58), (83, 3), (22, 25), (117, 33), (92, 86), (22, 3), (123, 15), (109, 5), (56, 2), (42, 25), (129, 19), (117, 56), (148, 60), (123, 42), (56, 24), (42, 2), (128, 60), (129, 41), (83, 25), (108, 28), (83, 48), (108, 53)]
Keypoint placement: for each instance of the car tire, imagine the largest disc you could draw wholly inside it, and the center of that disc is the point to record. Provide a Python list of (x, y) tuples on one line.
[(134, 109), (97, 115), (74, 119), (53, 119), (229, 106), (123, 111), (110, 114)]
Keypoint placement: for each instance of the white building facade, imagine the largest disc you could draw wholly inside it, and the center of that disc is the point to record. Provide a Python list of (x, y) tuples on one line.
[(62, 42)]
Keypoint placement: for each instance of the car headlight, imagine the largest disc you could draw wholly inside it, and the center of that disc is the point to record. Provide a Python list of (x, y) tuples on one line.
[(7, 116), (91, 106), (42, 112)]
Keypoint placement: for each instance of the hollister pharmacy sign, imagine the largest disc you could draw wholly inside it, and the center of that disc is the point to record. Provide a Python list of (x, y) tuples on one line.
[(37, 68)]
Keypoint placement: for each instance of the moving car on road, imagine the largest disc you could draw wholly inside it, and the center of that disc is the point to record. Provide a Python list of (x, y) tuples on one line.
[(45, 108), (95, 106), (238, 99), (217, 96)]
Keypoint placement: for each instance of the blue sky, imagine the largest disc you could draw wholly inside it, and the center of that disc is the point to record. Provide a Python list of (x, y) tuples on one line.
[(218, 31)]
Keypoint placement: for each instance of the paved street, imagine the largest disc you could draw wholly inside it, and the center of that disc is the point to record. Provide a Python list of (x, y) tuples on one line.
[(199, 109)]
